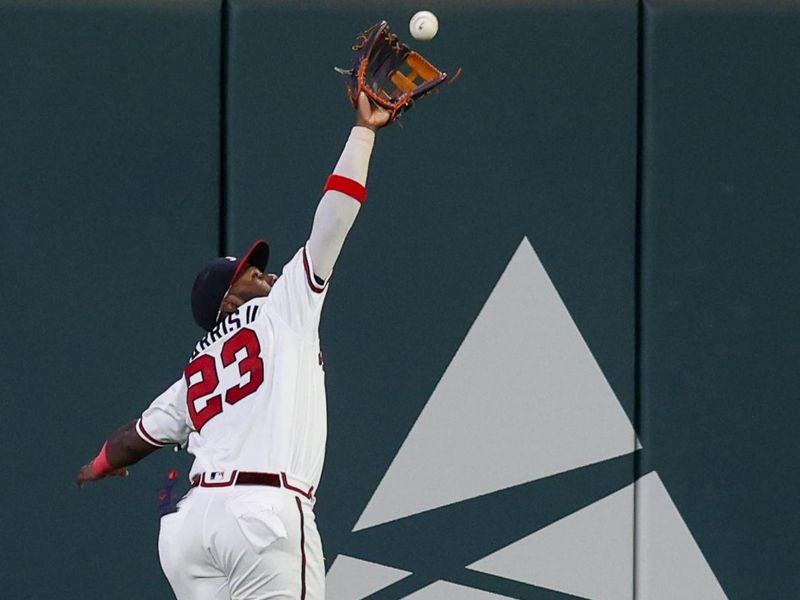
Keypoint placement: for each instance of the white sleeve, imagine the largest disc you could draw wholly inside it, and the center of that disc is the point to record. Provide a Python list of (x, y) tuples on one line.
[(337, 211), (296, 296), (166, 421)]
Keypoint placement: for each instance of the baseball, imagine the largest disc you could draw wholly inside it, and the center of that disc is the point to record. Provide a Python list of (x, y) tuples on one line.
[(423, 25)]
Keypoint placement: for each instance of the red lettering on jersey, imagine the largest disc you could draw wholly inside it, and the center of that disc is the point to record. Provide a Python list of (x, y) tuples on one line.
[(250, 365), (203, 364)]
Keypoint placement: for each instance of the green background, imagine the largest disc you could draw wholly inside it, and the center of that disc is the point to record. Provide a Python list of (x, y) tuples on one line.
[(648, 150)]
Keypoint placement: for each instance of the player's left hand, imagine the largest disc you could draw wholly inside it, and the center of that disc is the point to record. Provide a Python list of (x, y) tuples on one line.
[(370, 115), (87, 474)]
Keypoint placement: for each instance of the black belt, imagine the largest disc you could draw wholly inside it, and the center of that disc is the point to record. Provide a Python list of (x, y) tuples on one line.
[(251, 478)]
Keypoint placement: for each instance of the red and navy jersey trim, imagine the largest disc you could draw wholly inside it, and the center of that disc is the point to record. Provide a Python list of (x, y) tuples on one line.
[(146, 436), (312, 283)]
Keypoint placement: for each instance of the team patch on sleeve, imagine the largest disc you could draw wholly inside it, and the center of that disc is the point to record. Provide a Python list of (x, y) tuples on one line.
[(146, 436)]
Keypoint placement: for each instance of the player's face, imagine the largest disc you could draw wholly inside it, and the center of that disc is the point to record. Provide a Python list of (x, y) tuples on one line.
[(252, 283)]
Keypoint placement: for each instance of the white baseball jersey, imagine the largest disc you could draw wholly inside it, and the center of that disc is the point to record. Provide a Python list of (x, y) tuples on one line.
[(253, 395)]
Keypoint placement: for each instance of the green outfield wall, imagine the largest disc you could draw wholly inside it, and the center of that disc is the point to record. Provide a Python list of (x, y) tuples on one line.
[(560, 342)]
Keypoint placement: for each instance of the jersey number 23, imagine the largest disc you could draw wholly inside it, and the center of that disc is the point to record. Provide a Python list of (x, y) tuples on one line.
[(251, 372)]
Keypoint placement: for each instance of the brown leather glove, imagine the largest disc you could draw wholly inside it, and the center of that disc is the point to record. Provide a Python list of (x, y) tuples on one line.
[(392, 75)]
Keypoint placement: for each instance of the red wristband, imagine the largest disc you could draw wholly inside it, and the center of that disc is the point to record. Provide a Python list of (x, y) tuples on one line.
[(100, 464), (347, 186)]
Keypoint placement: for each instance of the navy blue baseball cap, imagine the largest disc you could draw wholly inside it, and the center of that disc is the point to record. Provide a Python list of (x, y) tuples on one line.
[(213, 282)]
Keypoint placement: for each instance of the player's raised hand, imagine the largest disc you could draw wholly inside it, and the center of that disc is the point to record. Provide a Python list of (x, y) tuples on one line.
[(87, 474), (369, 115)]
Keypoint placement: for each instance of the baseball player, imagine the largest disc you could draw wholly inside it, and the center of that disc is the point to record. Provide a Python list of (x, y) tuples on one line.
[(251, 407)]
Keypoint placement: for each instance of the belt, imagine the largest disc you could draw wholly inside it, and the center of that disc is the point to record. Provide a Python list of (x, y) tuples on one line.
[(217, 479)]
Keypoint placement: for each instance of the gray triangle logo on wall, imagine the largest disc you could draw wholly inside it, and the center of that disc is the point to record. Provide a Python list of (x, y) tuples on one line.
[(511, 412)]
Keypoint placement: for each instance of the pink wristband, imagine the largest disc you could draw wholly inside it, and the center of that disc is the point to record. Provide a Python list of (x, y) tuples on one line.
[(100, 464)]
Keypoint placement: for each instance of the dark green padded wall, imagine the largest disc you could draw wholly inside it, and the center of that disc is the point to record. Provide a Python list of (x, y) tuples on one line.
[(720, 281), (537, 139), (109, 163), (111, 199)]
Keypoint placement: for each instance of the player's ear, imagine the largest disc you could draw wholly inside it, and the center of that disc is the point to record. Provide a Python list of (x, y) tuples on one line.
[(250, 274)]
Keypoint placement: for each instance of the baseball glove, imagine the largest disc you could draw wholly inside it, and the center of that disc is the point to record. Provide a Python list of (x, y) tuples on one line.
[(391, 74)]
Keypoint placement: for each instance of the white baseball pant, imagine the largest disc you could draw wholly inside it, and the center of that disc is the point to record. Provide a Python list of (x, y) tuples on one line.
[(243, 543)]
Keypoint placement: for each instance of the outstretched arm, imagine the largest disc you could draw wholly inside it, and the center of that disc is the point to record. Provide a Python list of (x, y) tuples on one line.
[(124, 447), (164, 422), (345, 190)]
